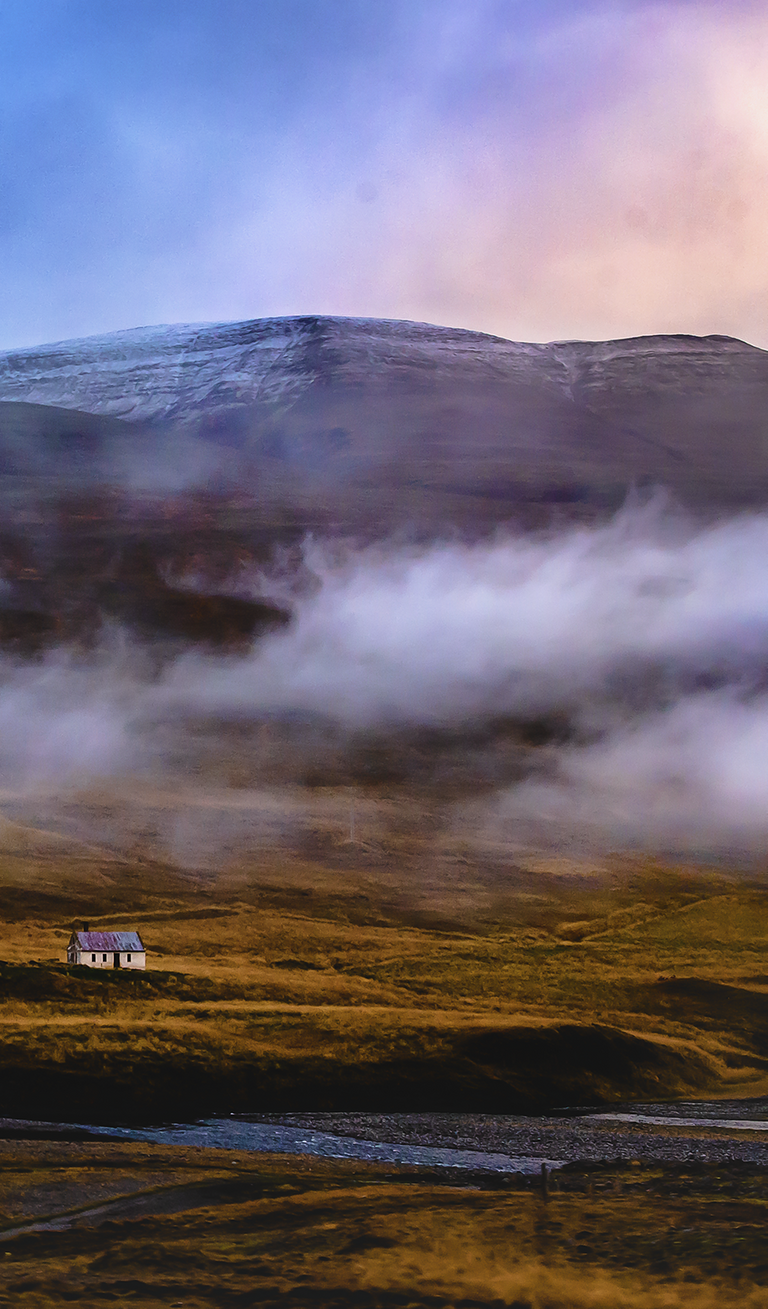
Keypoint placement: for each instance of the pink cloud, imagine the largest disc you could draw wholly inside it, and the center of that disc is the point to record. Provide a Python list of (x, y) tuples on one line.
[(613, 181)]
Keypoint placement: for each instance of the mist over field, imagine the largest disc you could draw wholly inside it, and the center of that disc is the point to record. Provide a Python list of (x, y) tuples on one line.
[(604, 681)]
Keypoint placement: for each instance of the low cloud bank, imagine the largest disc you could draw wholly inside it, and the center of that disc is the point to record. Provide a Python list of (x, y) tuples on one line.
[(523, 626), (647, 636), (688, 778)]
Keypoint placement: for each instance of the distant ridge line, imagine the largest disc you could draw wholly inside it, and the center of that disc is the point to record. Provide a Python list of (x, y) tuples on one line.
[(320, 320)]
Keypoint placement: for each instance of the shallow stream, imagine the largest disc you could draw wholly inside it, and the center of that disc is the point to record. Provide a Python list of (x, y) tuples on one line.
[(696, 1131)]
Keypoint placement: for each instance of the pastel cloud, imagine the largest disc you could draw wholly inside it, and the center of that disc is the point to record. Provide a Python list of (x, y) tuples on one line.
[(636, 204), (537, 170)]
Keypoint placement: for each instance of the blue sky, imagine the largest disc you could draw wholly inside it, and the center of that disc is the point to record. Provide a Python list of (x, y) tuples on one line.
[(533, 169)]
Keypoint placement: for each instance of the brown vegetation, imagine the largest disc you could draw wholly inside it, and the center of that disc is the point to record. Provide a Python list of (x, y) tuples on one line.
[(334, 992), (337, 981), (172, 1226)]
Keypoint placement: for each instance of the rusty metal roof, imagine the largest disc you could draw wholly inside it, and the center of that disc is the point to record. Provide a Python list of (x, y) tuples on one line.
[(122, 942)]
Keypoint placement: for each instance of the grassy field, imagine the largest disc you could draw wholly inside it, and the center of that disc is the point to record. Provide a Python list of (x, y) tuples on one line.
[(328, 984), (303, 986), (160, 1226)]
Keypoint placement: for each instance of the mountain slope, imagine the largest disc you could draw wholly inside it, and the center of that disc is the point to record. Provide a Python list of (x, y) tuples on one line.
[(425, 423), (128, 459)]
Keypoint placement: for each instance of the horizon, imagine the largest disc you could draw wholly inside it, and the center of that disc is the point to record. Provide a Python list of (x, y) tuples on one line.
[(370, 318)]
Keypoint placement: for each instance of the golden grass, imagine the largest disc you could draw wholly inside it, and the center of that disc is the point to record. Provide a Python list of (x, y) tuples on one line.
[(213, 1228), (316, 969), (339, 972)]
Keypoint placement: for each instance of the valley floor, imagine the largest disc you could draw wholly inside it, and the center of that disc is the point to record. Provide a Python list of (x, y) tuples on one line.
[(331, 993), (303, 987), (96, 1222)]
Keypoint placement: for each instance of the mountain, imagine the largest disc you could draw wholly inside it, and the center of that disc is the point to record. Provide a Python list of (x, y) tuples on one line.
[(197, 445), (426, 424)]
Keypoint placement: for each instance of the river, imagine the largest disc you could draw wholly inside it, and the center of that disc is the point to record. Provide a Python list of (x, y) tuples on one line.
[(696, 1131)]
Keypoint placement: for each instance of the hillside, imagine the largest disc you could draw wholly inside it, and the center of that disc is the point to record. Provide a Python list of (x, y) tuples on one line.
[(356, 422)]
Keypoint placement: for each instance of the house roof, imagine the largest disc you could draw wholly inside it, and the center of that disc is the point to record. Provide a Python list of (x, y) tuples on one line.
[(109, 941)]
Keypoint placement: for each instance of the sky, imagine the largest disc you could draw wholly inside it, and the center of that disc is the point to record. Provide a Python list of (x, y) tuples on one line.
[(532, 168)]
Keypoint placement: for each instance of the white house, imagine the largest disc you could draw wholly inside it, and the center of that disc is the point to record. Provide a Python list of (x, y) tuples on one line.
[(107, 950)]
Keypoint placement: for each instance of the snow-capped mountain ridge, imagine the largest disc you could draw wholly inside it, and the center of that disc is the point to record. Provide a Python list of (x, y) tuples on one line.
[(394, 422), (172, 372)]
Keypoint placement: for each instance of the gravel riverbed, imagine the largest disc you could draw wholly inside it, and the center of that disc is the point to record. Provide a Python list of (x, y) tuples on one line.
[(569, 1140), (493, 1143)]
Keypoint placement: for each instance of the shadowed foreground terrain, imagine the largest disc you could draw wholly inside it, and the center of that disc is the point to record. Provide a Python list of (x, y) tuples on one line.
[(323, 986), (99, 1223)]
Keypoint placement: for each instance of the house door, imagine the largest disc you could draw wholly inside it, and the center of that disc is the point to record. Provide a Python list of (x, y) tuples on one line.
[(117, 958)]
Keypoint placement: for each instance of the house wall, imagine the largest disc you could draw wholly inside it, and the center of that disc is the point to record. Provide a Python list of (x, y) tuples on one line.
[(84, 957)]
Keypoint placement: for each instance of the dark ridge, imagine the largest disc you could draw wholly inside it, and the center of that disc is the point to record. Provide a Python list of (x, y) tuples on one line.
[(511, 1070), (715, 1005), (27, 631), (141, 597)]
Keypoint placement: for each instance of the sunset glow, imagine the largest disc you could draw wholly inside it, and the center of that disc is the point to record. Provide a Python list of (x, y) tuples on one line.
[(538, 171)]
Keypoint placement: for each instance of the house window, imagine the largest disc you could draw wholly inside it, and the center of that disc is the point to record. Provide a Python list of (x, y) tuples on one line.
[(103, 958), (93, 959), (127, 958)]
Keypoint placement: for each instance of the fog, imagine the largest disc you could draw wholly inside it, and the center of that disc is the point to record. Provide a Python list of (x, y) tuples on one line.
[(524, 625), (622, 666), (689, 777)]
